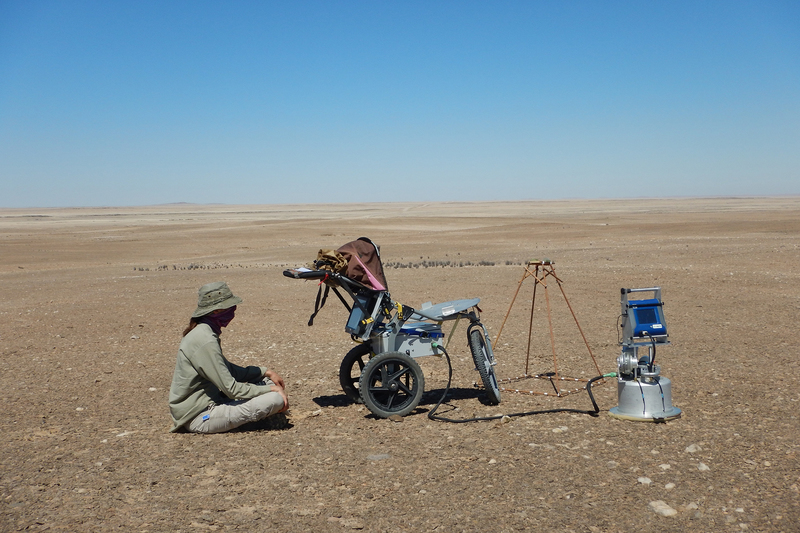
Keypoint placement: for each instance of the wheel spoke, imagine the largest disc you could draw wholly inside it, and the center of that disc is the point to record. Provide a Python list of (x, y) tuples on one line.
[(385, 375), (390, 401), (396, 376), (361, 364)]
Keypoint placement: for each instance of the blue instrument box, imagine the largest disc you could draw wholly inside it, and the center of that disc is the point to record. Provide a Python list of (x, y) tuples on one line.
[(647, 318)]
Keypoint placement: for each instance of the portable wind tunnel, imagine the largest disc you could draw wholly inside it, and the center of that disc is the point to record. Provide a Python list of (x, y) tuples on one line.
[(643, 394)]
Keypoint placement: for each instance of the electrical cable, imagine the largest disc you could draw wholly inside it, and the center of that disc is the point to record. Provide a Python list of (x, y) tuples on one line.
[(432, 413), (652, 359)]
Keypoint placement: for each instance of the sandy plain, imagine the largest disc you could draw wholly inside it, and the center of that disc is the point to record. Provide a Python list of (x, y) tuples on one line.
[(94, 301)]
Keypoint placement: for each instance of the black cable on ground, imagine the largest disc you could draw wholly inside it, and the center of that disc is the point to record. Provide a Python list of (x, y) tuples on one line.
[(432, 412)]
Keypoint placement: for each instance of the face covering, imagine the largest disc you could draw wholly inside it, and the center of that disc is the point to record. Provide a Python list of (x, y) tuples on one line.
[(217, 322)]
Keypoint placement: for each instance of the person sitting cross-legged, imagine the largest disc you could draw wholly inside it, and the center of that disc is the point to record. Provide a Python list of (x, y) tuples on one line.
[(209, 394)]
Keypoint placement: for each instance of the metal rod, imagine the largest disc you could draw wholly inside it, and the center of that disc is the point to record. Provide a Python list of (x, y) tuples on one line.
[(519, 286), (530, 324), (579, 328), (452, 331), (550, 324)]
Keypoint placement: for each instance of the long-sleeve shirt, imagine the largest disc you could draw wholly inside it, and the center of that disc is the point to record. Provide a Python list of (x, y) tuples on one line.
[(203, 376)]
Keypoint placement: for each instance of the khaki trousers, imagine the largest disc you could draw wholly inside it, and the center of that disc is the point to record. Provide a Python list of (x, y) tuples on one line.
[(227, 416)]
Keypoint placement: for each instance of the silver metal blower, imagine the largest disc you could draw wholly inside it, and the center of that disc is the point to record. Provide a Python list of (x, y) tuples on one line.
[(643, 393)]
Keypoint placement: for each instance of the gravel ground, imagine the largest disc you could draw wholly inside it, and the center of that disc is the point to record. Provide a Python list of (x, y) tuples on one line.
[(95, 299)]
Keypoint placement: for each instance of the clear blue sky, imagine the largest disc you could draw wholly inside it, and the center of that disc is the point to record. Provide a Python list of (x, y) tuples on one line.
[(132, 103)]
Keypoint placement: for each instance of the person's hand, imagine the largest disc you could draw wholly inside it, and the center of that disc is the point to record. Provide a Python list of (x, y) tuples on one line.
[(279, 390), (275, 378), (285, 401)]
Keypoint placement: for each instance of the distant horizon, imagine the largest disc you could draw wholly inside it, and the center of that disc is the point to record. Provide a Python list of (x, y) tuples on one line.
[(526, 200)]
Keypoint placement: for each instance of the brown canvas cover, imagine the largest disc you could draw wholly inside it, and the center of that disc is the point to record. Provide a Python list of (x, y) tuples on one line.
[(364, 263), (330, 260)]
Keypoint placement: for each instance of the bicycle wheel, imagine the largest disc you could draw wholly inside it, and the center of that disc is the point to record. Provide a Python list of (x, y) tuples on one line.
[(480, 355)]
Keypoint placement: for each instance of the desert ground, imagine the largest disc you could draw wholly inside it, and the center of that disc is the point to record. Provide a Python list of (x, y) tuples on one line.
[(95, 299)]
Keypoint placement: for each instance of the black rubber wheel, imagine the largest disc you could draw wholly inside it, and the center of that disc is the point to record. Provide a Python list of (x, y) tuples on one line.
[(391, 384), (350, 370), (480, 355)]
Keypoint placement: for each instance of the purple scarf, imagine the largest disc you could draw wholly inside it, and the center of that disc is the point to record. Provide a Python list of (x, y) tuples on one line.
[(217, 322)]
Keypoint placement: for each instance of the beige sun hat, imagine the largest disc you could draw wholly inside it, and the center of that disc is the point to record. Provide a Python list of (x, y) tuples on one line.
[(213, 296)]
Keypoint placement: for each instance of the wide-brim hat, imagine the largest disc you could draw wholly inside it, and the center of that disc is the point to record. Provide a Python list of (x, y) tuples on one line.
[(213, 296)]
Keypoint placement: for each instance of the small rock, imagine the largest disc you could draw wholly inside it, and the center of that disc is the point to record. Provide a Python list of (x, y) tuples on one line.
[(645, 480), (669, 486), (134, 337), (703, 467), (692, 506), (305, 414), (79, 408), (352, 523), (665, 466), (152, 389), (661, 508), (693, 448), (492, 461), (396, 418)]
